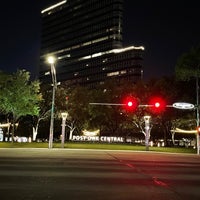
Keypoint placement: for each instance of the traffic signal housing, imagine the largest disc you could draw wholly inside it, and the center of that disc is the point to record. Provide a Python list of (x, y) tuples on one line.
[(157, 105)]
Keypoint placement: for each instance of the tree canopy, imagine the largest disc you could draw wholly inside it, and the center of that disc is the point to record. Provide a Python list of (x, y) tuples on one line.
[(188, 65), (18, 95)]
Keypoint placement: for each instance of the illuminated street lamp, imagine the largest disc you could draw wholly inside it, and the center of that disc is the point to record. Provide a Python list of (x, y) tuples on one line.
[(147, 131), (51, 61), (64, 117)]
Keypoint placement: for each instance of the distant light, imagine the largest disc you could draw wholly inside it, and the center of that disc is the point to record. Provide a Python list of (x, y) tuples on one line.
[(127, 49), (54, 6), (91, 133), (47, 73), (112, 51)]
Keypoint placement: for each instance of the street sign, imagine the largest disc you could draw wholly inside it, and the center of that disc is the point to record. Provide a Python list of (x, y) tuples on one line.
[(183, 105)]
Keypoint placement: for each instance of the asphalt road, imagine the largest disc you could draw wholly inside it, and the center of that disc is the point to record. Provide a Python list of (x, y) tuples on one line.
[(42, 174)]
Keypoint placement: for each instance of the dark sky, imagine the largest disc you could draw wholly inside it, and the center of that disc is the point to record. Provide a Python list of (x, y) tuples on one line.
[(166, 29)]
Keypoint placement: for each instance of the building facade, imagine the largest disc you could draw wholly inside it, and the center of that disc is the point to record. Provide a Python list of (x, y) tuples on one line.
[(85, 37)]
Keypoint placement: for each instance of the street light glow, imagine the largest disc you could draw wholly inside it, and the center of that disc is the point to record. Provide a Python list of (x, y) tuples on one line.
[(51, 60)]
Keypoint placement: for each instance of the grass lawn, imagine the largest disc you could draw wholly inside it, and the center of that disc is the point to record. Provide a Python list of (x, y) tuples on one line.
[(74, 145)]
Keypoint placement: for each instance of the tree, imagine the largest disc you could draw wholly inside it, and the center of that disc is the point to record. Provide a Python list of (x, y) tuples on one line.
[(109, 119), (188, 65), (19, 96), (45, 109), (186, 124), (75, 101)]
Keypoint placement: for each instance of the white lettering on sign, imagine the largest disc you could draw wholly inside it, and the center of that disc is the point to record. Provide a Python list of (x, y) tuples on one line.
[(97, 138), (183, 105)]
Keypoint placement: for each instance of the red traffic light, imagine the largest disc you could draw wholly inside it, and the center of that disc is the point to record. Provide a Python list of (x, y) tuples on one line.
[(157, 104), (198, 129), (130, 103)]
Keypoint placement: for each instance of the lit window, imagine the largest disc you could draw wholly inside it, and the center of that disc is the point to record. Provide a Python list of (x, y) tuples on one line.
[(113, 73), (123, 72)]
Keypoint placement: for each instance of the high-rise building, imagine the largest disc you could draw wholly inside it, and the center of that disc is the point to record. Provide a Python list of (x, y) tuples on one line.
[(86, 38)]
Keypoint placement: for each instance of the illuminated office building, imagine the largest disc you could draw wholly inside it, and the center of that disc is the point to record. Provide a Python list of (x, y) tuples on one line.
[(86, 38)]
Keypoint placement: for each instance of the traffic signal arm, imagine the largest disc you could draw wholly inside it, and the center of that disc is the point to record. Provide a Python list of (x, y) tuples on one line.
[(107, 104)]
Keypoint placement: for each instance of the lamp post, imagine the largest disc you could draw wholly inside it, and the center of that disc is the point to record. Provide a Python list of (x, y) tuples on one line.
[(64, 117), (147, 131), (51, 61)]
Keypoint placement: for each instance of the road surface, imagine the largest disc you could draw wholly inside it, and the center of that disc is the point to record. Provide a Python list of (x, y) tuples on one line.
[(55, 174)]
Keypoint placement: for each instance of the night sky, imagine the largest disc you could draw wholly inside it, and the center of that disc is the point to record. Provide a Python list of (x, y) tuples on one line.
[(166, 29)]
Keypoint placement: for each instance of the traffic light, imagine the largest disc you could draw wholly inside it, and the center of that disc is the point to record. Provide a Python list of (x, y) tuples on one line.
[(130, 103), (157, 104)]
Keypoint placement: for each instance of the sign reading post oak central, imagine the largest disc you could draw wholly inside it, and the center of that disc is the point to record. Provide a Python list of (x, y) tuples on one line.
[(97, 138)]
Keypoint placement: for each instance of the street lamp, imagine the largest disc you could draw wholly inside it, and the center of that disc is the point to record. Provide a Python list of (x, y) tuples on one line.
[(51, 61), (64, 117), (147, 131)]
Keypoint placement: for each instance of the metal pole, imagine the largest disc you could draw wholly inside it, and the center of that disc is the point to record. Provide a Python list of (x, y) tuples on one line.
[(147, 131), (63, 134), (64, 117), (52, 107), (197, 114)]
